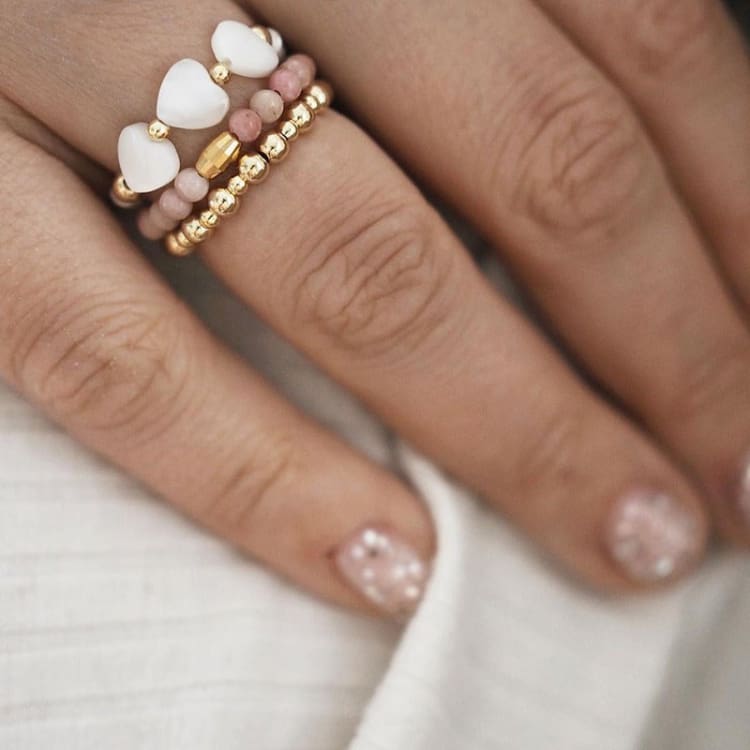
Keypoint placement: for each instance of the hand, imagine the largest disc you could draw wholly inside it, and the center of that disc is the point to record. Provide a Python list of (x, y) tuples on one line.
[(602, 146)]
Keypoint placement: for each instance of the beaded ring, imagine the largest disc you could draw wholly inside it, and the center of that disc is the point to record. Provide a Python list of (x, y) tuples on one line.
[(245, 126), (254, 167), (190, 97)]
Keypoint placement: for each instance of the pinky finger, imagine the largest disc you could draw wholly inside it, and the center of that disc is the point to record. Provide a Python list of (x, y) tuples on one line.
[(89, 334)]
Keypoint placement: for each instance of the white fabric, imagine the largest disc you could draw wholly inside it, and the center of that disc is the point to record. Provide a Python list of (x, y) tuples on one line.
[(123, 626)]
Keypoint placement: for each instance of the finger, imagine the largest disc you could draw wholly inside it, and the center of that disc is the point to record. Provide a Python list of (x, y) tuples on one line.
[(687, 69), (90, 335), (551, 162), (379, 293), (340, 252)]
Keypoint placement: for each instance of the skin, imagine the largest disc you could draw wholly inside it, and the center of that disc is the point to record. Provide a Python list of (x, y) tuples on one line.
[(610, 170)]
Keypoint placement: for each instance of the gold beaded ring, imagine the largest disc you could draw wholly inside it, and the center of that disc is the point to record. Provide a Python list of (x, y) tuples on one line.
[(254, 167)]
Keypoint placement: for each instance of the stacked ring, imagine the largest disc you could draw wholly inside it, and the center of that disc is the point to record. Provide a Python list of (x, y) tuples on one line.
[(245, 126), (190, 97), (254, 167)]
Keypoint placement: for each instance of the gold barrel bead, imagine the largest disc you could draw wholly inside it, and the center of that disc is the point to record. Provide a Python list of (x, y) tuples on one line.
[(222, 202), (254, 167), (322, 91), (220, 73), (263, 33), (195, 231), (288, 129), (158, 130), (209, 218), (218, 155), (273, 146), (237, 185), (301, 115), (175, 248)]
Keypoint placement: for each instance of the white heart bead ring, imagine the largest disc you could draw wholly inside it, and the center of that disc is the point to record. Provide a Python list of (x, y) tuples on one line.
[(190, 97), (290, 100)]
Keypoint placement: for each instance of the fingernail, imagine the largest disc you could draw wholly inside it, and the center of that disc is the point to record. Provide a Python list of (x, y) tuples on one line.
[(743, 494), (384, 569), (652, 536)]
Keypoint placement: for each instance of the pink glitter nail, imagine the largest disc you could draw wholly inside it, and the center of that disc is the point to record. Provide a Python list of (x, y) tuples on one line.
[(652, 536), (384, 569)]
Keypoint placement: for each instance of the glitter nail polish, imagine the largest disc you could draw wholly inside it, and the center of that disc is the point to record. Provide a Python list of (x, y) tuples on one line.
[(652, 536), (384, 569)]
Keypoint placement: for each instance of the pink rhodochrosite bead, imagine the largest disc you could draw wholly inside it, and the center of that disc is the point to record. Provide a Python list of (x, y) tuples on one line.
[(303, 66), (174, 207), (147, 227), (159, 219), (286, 82), (190, 186), (268, 104), (245, 124)]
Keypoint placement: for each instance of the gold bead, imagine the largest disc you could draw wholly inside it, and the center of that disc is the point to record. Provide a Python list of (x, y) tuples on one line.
[(322, 91), (311, 103), (254, 168), (237, 185), (301, 115), (183, 240), (220, 73), (195, 231), (158, 130), (122, 194), (209, 218), (223, 202), (218, 155), (273, 146), (289, 130), (174, 247), (263, 33)]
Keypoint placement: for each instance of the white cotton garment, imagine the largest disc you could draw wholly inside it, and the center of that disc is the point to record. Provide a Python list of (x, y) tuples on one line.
[(125, 627)]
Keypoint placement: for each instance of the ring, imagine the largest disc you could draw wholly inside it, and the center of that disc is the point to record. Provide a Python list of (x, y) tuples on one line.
[(254, 166), (192, 97)]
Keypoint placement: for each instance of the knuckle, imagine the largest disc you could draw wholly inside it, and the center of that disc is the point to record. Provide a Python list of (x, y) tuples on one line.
[(665, 36), (579, 160), (715, 383), (550, 456), (246, 492), (104, 364), (375, 284)]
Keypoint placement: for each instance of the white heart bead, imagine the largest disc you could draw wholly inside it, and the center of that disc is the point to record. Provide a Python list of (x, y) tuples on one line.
[(146, 164), (243, 51), (189, 99)]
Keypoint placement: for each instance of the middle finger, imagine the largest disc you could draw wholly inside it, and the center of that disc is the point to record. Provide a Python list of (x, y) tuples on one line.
[(548, 158)]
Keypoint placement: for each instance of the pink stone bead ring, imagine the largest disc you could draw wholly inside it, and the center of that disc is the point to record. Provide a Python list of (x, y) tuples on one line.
[(246, 124), (271, 148)]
